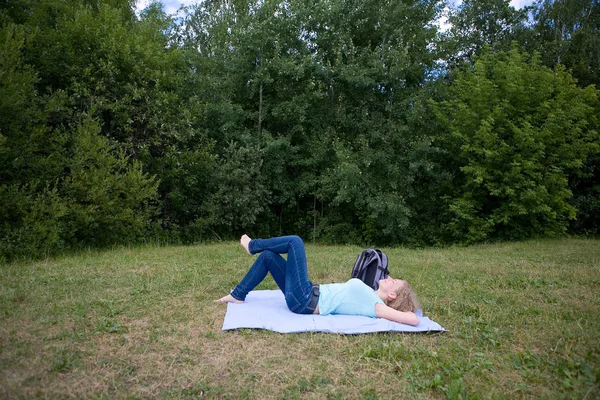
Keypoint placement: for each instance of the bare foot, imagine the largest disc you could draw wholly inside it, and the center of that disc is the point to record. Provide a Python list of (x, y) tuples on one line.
[(245, 241), (229, 299)]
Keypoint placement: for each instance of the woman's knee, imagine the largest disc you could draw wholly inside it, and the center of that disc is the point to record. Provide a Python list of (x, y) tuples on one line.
[(296, 240)]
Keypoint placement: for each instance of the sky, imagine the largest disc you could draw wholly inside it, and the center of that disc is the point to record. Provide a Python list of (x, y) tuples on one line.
[(171, 6)]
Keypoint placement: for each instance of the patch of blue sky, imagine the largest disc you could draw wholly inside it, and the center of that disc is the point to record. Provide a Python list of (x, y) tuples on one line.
[(172, 6), (518, 4), (442, 21)]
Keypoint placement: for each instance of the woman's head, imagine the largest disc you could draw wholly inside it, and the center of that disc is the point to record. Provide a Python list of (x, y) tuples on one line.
[(400, 295)]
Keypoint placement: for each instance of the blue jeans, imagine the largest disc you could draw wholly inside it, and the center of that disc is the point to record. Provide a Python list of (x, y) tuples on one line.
[(291, 276)]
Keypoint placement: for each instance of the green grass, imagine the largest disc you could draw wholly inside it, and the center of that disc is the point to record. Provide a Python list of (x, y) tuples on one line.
[(523, 321)]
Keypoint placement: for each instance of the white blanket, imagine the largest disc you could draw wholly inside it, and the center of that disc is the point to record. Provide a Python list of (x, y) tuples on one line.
[(266, 309)]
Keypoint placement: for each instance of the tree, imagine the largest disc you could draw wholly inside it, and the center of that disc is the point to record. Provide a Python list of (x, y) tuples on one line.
[(477, 24), (567, 32), (516, 130), (62, 184), (108, 197)]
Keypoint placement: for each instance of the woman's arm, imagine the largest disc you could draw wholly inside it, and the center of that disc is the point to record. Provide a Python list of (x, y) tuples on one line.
[(383, 311)]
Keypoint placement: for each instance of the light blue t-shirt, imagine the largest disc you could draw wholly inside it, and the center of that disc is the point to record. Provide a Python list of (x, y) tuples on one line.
[(351, 298)]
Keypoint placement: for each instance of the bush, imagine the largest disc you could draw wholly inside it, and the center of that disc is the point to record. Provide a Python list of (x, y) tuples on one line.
[(515, 130), (109, 198)]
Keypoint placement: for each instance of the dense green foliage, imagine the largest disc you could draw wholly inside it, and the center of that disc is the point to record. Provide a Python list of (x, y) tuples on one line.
[(338, 120), (514, 132)]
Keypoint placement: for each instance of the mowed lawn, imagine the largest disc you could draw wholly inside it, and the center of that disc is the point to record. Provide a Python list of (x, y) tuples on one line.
[(523, 321)]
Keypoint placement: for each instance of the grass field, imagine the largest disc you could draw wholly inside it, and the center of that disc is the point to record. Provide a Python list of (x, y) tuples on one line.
[(523, 321)]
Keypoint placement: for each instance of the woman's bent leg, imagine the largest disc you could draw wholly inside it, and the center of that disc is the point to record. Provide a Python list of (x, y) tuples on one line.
[(298, 289), (268, 261)]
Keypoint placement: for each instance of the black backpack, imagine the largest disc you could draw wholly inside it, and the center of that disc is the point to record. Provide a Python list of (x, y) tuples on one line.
[(370, 267)]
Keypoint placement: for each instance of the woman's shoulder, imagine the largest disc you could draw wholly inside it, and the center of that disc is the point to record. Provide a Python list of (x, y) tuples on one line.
[(357, 283), (352, 284)]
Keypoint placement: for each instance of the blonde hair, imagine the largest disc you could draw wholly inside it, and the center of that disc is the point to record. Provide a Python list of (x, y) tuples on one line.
[(406, 299)]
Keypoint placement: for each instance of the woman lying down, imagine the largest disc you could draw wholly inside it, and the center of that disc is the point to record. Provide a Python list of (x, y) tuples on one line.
[(394, 300)]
